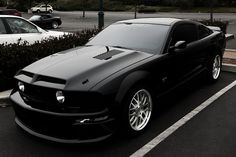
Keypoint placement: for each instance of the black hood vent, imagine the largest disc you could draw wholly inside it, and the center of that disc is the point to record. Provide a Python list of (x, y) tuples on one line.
[(26, 73), (108, 55), (49, 79), (35, 77)]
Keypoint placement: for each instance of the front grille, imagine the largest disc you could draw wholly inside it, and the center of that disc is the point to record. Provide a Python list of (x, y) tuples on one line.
[(41, 98), (60, 127), (44, 98)]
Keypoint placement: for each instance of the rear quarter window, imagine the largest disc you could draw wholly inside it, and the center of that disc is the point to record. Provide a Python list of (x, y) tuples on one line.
[(203, 31)]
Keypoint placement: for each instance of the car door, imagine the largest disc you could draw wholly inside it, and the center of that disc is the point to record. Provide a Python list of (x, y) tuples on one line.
[(186, 61), (22, 30), (43, 8), (5, 37), (47, 20)]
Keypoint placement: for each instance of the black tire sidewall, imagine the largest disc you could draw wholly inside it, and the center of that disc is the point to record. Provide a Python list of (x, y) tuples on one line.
[(210, 68), (55, 22), (125, 125)]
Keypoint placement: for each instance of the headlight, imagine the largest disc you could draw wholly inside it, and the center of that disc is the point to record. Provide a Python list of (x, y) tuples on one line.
[(21, 86), (60, 97)]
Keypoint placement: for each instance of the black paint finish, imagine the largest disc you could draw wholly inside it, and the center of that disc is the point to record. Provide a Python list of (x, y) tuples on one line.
[(95, 81)]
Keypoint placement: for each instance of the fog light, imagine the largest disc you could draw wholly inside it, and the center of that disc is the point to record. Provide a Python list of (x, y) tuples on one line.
[(21, 86), (60, 97)]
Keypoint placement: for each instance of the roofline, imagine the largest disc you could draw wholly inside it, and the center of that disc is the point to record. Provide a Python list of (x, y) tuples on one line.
[(138, 21)]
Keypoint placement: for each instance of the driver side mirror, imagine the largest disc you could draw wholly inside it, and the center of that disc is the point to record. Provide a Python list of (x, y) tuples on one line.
[(178, 45)]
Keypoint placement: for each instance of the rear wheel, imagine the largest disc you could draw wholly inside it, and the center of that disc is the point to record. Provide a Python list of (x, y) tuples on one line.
[(137, 110), (54, 24), (214, 68), (38, 11)]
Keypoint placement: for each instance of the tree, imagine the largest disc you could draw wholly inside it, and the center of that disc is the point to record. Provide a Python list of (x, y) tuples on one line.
[(2, 3)]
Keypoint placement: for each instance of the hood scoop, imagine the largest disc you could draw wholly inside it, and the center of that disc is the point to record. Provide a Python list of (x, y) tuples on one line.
[(108, 55)]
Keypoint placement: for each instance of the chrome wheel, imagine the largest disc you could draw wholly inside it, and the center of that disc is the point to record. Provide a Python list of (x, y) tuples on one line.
[(216, 67), (140, 109), (54, 25)]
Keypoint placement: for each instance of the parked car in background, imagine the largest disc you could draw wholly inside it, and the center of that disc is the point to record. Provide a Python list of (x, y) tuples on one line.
[(84, 94), (46, 21), (42, 8), (10, 12), (14, 29)]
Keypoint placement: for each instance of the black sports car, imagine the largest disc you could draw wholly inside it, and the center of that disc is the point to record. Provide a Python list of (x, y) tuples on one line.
[(82, 94), (46, 21)]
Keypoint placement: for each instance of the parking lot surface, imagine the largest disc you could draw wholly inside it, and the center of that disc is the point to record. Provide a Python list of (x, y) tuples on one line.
[(73, 21), (210, 133)]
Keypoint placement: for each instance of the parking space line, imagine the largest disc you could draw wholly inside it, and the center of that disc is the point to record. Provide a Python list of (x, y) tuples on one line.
[(161, 137)]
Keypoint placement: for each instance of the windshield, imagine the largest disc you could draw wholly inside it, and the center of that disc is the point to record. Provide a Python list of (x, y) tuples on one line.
[(35, 18), (143, 37)]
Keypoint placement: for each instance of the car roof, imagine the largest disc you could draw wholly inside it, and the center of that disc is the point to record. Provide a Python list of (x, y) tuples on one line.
[(159, 21), (10, 16)]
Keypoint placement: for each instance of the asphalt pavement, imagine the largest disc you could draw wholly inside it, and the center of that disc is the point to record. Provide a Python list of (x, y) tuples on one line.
[(73, 21), (211, 129), (210, 133)]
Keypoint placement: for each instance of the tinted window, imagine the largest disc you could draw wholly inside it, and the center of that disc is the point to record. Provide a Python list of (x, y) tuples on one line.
[(143, 37), (2, 28), (21, 26), (203, 31), (184, 32), (35, 18), (46, 16)]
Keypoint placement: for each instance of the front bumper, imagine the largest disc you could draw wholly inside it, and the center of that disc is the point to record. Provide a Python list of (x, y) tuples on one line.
[(62, 127)]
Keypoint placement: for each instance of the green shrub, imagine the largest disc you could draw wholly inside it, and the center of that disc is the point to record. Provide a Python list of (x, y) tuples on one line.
[(146, 9), (14, 57)]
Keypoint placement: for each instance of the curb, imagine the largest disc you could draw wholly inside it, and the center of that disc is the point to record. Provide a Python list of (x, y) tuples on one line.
[(229, 68), (4, 98)]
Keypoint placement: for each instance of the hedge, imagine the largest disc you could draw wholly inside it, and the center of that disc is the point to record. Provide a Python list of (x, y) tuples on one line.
[(14, 57)]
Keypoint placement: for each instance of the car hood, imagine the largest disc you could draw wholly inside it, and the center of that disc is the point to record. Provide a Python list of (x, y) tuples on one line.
[(83, 67)]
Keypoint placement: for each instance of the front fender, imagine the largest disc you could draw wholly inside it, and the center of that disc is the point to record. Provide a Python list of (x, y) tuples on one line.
[(129, 81)]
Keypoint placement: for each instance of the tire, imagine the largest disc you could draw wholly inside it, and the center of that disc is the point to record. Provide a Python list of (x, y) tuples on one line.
[(214, 68), (38, 11), (137, 110), (50, 11), (55, 24)]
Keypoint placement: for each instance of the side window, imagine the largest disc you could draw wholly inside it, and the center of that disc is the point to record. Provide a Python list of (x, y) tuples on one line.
[(2, 28), (184, 32), (21, 26), (203, 31)]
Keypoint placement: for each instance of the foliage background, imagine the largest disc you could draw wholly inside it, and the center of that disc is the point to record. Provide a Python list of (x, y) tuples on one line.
[(117, 5)]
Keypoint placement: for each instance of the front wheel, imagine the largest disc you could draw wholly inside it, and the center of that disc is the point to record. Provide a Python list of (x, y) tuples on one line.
[(54, 25), (137, 110), (214, 68)]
